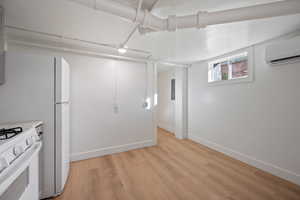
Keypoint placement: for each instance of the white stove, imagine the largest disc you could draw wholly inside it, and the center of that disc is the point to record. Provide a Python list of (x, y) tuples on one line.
[(19, 162)]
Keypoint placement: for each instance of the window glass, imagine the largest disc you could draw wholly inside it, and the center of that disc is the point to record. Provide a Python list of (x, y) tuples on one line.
[(229, 68)]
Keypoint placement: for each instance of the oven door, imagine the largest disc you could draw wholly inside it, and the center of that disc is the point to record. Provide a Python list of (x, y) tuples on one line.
[(20, 181)]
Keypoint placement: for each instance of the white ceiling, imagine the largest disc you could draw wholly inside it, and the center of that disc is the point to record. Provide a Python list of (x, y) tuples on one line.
[(193, 44), (71, 19)]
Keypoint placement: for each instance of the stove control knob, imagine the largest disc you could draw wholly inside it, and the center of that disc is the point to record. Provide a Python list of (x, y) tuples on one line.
[(3, 164), (18, 150), (29, 142)]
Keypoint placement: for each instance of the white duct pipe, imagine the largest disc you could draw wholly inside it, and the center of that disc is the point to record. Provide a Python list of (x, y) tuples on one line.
[(94, 53), (202, 19), (130, 35), (140, 3), (142, 17), (60, 37)]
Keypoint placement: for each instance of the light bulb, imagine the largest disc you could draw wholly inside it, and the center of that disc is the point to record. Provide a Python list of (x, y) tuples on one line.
[(122, 50)]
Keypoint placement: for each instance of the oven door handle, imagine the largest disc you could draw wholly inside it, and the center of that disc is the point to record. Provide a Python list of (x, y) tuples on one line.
[(10, 174)]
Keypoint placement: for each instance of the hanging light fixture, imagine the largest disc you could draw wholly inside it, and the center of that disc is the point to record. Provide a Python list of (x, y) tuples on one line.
[(122, 49)]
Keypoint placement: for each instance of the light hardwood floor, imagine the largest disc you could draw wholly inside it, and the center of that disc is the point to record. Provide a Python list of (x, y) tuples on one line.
[(173, 170)]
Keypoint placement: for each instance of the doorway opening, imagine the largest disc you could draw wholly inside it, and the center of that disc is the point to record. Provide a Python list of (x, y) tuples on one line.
[(171, 111)]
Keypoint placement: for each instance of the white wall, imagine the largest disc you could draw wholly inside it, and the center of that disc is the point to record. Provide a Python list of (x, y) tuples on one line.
[(181, 107), (256, 122), (93, 114), (166, 107), (95, 128), (172, 115)]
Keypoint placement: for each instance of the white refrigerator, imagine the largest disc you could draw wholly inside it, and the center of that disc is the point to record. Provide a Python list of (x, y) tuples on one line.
[(37, 88)]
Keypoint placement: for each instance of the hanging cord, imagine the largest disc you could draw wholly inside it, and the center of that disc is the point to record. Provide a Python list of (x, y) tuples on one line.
[(116, 88), (155, 94), (146, 104), (146, 80)]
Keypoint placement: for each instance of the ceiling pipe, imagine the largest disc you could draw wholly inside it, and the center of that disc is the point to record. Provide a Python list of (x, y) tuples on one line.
[(62, 37), (62, 47), (130, 35), (123, 45), (77, 51), (141, 16), (203, 19), (150, 22), (140, 3), (94, 53), (153, 5)]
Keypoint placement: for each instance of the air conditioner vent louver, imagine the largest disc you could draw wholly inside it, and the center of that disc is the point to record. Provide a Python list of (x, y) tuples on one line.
[(287, 51), (291, 59)]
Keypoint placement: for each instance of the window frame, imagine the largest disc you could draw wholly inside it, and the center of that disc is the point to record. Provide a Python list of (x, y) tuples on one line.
[(225, 57)]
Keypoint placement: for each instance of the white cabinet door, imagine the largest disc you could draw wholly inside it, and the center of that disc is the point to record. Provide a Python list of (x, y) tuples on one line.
[(62, 76), (62, 145)]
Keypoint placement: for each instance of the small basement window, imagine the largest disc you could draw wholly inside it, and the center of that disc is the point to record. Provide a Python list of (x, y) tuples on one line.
[(229, 68)]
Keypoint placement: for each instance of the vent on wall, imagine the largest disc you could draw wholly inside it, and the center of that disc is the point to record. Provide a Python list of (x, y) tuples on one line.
[(291, 59), (287, 51)]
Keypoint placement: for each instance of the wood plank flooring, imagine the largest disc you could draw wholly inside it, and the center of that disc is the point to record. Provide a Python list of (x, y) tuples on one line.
[(173, 170)]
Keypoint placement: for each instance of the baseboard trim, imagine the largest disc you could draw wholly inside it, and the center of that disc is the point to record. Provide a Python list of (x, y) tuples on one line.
[(268, 167), (111, 150), (166, 127)]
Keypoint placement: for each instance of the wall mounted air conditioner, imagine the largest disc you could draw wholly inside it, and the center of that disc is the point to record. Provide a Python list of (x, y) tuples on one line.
[(283, 52)]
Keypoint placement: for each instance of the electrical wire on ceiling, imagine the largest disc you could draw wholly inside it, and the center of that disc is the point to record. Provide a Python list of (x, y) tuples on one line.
[(149, 69), (146, 84), (116, 105)]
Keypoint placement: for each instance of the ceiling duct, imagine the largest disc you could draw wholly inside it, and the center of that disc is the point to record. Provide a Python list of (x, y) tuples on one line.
[(150, 22), (142, 16)]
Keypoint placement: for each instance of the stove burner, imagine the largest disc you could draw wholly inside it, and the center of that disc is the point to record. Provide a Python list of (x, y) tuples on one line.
[(6, 134)]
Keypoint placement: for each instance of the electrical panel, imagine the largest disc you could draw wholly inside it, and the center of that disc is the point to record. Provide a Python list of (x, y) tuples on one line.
[(2, 47), (2, 67)]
